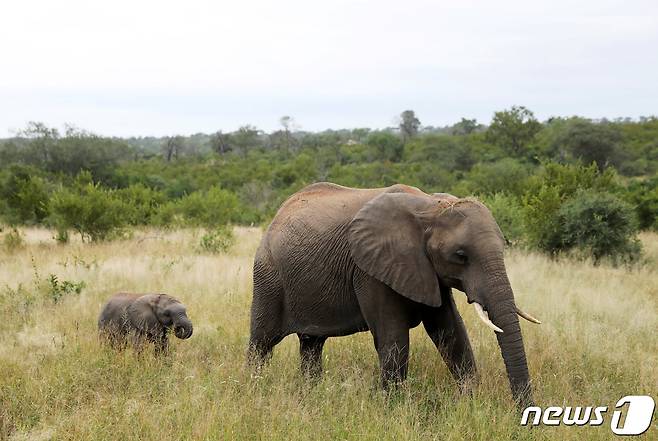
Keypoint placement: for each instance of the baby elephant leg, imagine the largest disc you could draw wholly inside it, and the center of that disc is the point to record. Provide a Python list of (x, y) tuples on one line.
[(161, 342)]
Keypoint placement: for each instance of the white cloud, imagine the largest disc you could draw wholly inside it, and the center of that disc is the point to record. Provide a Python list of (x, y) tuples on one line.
[(128, 67)]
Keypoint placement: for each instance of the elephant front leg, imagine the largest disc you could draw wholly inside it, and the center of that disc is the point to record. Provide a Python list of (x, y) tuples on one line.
[(310, 354), (446, 328), (388, 315), (161, 342), (393, 352)]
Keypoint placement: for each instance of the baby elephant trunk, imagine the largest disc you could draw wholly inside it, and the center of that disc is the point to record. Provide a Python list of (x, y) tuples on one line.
[(183, 327)]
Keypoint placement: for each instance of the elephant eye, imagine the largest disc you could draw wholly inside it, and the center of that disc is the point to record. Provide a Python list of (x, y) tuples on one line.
[(461, 256)]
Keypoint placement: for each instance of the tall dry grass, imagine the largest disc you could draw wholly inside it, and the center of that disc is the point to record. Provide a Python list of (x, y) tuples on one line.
[(597, 344)]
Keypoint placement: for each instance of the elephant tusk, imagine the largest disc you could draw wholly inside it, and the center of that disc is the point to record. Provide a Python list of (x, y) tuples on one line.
[(485, 317), (527, 316)]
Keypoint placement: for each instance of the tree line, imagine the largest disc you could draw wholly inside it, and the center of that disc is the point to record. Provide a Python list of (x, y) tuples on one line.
[(568, 184)]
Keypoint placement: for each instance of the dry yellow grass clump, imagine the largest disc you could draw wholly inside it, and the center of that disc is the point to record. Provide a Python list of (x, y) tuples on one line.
[(597, 344)]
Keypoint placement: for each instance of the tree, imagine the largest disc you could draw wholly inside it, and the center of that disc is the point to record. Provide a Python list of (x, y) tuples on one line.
[(360, 134), (388, 145), (591, 142), (513, 130), (448, 152), (409, 125), (220, 142), (173, 147), (43, 138), (69, 154), (245, 138), (288, 124), (465, 126), (80, 150)]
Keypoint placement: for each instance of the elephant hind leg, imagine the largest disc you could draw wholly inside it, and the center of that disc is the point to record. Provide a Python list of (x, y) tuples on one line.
[(260, 349), (266, 314), (310, 354)]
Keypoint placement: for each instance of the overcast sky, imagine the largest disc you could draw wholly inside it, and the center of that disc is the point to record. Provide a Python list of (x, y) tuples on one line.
[(159, 68)]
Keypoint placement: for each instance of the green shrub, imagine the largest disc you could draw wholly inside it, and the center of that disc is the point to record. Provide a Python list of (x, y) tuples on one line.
[(507, 175), (95, 213), (429, 176), (567, 179), (211, 208), (644, 195), (25, 196), (548, 190), (540, 210), (58, 289), (295, 173), (218, 240), (508, 212), (448, 152), (143, 203), (599, 224), (388, 146)]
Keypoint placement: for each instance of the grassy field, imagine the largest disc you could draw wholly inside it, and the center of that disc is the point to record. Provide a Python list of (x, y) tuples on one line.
[(597, 344)]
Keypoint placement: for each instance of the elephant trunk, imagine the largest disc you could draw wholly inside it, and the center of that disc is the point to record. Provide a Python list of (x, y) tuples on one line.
[(503, 312), (183, 327)]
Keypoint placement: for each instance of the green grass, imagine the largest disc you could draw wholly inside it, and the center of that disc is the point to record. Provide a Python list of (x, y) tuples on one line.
[(597, 344)]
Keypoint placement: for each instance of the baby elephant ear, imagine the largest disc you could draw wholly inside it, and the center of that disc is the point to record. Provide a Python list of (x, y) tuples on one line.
[(387, 241), (142, 313)]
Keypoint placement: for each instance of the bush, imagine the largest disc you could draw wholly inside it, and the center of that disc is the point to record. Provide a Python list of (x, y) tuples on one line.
[(507, 175), (58, 289), (25, 196), (211, 208), (295, 173), (540, 218), (599, 224), (567, 179), (218, 240), (448, 152), (388, 146), (508, 212), (644, 195), (144, 203), (96, 214), (548, 190), (258, 200)]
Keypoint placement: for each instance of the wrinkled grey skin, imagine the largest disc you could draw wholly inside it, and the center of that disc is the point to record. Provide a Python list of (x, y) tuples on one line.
[(338, 260), (143, 317)]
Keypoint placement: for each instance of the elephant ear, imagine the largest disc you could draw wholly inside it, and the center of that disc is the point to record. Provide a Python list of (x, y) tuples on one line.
[(142, 313), (387, 242)]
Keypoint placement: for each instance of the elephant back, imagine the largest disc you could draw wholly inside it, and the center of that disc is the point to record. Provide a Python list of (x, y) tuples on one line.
[(317, 217)]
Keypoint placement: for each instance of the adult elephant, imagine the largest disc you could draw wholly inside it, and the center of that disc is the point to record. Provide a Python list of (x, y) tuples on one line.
[(338, 260)]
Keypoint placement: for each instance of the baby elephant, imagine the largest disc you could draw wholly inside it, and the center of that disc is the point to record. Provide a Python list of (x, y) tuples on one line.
[(143, 317)]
